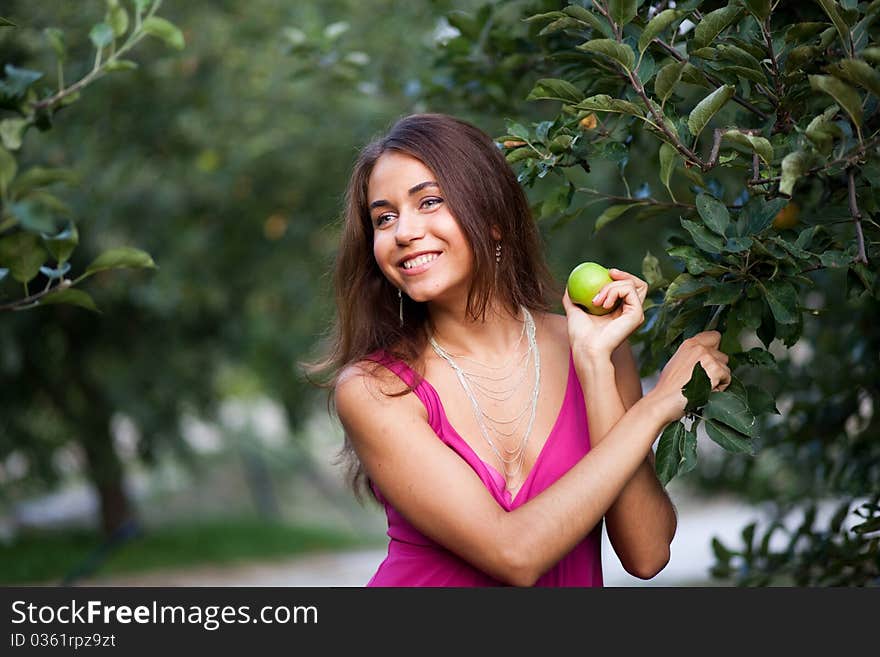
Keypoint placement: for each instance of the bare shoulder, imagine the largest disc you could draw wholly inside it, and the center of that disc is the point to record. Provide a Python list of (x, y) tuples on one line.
[(556, 326), (366, 386)]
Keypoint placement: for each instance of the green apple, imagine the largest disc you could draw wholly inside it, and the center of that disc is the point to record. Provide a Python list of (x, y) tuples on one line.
[(584, 283)]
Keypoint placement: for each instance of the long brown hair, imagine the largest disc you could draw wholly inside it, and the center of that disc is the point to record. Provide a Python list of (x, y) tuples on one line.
[(481, 192)]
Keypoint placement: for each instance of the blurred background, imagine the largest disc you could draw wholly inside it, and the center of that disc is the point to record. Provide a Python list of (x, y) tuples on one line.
[(172, 438)]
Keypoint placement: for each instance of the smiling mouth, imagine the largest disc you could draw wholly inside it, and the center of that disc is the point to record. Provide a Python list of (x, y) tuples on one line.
[(419, 263)]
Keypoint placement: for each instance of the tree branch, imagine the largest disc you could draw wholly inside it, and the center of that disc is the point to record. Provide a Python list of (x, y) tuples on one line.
[(856, 215), (629, 199), (711, 78), (31, 300)]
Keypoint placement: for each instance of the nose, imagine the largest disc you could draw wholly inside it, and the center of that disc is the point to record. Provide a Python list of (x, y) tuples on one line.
[(410, 226)]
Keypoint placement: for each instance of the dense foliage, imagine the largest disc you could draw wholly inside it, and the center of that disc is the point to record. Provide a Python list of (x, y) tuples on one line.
[(749, 133)]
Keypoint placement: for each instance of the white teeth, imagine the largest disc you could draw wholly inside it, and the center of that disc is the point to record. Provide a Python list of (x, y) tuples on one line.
[(421, 260)]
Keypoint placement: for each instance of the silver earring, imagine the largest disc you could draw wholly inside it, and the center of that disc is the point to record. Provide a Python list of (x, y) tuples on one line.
[(400, 298), (498, 252)]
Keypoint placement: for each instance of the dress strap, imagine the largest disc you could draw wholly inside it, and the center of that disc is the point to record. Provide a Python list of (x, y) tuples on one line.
[(423, 390)]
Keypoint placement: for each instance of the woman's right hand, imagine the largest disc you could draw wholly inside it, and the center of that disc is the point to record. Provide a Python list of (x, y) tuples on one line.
[(702, 348)]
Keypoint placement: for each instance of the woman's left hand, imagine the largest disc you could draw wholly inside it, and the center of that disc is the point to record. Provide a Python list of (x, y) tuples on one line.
[(599, 335)]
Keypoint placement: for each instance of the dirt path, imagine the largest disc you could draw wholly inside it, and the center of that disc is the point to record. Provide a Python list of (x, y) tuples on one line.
[(689, 564)]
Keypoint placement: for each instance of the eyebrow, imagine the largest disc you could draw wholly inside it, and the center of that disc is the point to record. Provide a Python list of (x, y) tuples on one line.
[(412, 190)]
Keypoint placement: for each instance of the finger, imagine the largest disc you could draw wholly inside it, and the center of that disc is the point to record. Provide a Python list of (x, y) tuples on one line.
[(720, 356), (708, 339), (612, 291), (619, 275), (569, 305)]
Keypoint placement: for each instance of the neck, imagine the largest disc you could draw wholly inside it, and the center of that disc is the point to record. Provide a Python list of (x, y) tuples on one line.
[(489, 339)]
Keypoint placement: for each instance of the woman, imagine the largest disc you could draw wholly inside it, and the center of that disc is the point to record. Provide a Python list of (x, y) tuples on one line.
[(497, 434)]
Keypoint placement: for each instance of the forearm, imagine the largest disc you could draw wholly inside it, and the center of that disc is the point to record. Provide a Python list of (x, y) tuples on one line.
[(641, 521), (550, 525)]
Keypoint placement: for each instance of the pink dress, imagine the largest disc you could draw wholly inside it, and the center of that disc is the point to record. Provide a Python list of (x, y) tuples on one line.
[(415, 560)]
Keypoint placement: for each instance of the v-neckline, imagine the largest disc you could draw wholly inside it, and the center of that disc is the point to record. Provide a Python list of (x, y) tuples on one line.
[(502, 490)]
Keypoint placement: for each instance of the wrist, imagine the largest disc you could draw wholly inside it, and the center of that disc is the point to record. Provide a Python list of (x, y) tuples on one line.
[(663, 408), (592, 361)]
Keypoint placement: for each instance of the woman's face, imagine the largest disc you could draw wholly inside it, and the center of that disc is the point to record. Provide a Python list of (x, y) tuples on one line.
[(410, 217)]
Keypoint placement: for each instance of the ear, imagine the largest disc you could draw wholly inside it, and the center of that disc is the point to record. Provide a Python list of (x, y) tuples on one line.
[(496, 233)]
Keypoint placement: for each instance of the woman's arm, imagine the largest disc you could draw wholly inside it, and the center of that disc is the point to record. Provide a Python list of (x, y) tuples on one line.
[(441, 496), (641, 522)]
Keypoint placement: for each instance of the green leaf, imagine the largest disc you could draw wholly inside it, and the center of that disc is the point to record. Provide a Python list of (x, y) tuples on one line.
[(518, 130), (12, 131), (55, 37), (760, 9), (761, 401), (783, 301), (143, 5), (611, 213), (685, 286), (521, 153), (667, 78), (708, 107), (560, 24), (656, 26), (8, 169), (5, 22), (695, 262), (803, 31), (586, 16), (668, 159), (101, 35), (619, 52), (555, 89), (794, 165), (725, 294), (651, 271), (705, 240), (688, 446), (737, 244), (830, 7), (32, 215), (164, 30), (17, 82), (605, 103), (758, 213), (72, 297), (39, 177), (729, 439), (822, 131), (713, 213), (622, 11), (835, 259), (843, 94), (858, 72), (668, 456), (697, 389), (62, 244), (117, 18), (23, 255), (713, 24), (759, 145), (731, 410), (120, 65), (118, 258)]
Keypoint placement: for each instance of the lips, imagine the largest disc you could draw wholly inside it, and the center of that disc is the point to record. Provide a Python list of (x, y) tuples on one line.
[(416, 256), (422, 266)]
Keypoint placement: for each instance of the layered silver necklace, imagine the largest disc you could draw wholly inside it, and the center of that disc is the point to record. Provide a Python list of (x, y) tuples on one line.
[(511, 459)]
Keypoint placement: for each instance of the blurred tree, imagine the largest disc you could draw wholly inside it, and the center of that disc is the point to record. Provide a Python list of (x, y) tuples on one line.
[(757, 135), (35, 227), (226, 162)]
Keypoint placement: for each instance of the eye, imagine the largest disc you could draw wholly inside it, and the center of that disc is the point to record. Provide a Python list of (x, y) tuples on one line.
[(431, 202), (380, 219)]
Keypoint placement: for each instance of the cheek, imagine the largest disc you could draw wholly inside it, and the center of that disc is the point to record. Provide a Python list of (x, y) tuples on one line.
[(380, 254)]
